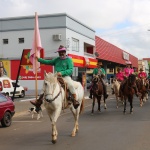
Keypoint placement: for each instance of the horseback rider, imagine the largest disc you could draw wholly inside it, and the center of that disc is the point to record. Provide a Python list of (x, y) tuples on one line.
[(128, 70), (101, 73), (64, 68), (142, 74), (119, 77), (143, 77)]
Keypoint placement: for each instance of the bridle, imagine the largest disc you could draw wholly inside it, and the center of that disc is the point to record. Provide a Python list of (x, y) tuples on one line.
[(51, 100)]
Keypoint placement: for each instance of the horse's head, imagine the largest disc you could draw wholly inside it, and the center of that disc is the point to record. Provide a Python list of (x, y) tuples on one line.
[(95, 79), (49, 85), (97, 85), (132, 79)]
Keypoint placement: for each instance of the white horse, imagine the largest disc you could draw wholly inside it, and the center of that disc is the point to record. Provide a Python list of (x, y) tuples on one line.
[(54, 96), (116, 87)]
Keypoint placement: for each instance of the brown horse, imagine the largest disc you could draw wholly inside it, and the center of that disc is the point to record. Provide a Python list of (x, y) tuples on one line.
[(128, 91), (98, 92), (142, 86)]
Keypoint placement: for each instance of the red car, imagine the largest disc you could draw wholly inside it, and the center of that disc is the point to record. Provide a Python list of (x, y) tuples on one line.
[(7, 110)]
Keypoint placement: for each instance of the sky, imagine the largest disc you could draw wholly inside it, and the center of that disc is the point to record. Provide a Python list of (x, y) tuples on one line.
[(123, 23)]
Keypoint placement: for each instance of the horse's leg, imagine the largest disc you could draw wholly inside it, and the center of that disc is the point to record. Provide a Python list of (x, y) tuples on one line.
[(117, 99), (125, 99), (75, 113), (141, 99), (131, 104), (98, 101), (105, 106), (93, 104), (53, 115), (54, 133)]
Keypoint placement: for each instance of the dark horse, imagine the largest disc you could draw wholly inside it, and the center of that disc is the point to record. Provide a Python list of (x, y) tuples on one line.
[(128, 91), (98, 92), (142, 85)]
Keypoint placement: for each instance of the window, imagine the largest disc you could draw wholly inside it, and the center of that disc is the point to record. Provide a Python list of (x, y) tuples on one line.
[(75, 45), (3, 98), (5, 41), (21, 40), (110, 69)]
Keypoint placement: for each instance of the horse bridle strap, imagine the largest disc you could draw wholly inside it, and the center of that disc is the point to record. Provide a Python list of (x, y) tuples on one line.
[(54, 97)]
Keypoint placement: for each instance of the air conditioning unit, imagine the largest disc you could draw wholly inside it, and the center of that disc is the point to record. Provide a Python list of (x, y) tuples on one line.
[(57, 37)]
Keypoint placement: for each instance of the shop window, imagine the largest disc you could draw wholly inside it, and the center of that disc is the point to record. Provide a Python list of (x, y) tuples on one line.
[(5, 41), (110, 69), (75, 45)]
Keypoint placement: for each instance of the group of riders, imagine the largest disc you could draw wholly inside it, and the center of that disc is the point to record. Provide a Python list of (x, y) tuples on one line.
[(121, 76), (63, 65)]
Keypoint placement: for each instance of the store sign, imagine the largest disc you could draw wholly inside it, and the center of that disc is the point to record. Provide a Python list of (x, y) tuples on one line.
[(125, 56)]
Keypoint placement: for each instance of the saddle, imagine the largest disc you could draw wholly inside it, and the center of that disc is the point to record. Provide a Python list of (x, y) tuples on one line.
[(68, 95)]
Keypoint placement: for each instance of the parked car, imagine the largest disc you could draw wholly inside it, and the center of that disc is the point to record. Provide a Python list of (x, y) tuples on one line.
[(7, 110), (7, 87)]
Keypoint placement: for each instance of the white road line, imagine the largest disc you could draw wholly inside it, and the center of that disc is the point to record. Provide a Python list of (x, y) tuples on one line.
[(35, 98), (27, 99), (26, 121)]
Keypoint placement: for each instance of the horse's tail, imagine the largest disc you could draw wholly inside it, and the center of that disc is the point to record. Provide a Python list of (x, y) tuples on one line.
[(82, 105)]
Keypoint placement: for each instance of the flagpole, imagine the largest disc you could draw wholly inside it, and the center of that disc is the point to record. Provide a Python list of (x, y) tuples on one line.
[(36, 84)]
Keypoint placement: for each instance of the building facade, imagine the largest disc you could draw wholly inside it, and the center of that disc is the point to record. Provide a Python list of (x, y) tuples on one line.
[(57, 29)]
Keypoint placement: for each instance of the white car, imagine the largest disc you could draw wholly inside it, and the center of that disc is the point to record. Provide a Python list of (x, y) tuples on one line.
[(7, 87)]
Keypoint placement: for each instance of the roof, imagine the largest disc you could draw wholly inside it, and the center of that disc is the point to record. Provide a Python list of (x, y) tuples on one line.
[(112, 53), (148, 59)]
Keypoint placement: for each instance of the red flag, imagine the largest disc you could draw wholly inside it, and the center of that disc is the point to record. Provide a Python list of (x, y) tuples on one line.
[(36, 46)]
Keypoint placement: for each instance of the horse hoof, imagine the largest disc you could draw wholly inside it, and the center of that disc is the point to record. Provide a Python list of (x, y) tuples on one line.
[(131, 112), (54, 141), (73, 134), (116, 106), (92, 114), (124, 112)]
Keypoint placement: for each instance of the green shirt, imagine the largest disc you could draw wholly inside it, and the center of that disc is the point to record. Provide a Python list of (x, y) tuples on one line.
[(64, 66), (95, 71)]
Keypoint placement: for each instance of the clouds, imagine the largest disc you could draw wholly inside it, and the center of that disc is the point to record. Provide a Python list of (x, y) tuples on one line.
[(123, 23)]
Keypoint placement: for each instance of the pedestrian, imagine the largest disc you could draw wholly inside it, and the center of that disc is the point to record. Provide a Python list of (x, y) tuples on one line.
[(99, 71), (63, 65)]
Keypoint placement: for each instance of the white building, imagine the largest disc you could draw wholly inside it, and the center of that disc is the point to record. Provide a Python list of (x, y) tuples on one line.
[(16, 34)]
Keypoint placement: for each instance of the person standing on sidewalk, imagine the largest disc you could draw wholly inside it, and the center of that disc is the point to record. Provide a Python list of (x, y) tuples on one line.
[(64, 67), (99, 71)]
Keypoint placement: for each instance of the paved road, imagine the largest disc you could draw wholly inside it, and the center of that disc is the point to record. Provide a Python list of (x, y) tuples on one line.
[(108, 130)]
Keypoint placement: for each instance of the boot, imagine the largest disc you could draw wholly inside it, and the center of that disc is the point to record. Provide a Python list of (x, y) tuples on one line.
[(37, 102), (75, 102)]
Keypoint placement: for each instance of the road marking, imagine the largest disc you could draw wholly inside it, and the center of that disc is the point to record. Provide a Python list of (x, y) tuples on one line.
[(27, 99), (26, 121), (35, 98)]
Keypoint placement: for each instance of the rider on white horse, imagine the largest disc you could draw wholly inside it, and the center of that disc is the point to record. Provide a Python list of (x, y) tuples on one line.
[(64, 68)]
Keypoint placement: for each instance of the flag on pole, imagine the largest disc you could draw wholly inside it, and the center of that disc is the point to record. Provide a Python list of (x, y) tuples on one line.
[(36, 46)]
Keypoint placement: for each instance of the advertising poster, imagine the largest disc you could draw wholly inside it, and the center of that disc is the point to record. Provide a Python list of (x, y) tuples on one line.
[(6, 64)]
